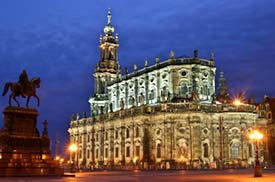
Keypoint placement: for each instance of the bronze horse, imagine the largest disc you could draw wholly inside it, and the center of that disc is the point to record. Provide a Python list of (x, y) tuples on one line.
[(25, 89)]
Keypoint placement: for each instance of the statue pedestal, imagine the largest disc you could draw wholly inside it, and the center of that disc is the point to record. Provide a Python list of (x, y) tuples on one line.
[(22, 151)]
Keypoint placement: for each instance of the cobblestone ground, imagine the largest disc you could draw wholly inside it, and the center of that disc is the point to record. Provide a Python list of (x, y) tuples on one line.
[(158, 176)]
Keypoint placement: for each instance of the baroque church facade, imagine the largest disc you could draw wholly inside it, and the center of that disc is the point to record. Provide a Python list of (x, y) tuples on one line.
[(164, 115)]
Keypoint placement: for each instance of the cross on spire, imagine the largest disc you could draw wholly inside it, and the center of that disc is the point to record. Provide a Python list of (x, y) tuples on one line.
[(109, 16)]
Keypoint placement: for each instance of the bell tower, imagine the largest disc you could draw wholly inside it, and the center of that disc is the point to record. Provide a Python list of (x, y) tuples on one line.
[(222, 95), (108, 65), (107, 68)]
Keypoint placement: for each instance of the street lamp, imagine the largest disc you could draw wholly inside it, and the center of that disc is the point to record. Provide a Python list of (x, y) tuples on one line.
[(73, 148), (256, 136), (237, 102), (135, 161)]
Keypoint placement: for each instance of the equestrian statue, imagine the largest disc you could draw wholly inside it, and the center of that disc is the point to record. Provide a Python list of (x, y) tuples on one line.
[(23, 88)]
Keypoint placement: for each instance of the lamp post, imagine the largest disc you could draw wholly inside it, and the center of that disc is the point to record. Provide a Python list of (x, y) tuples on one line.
[(73, 149), (256, 136)]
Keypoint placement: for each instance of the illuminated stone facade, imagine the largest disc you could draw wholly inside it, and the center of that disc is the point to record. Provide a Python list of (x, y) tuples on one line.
[(164, 115), (266, 110)]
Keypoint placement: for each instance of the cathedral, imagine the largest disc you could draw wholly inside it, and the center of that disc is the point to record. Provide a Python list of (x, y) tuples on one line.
[(166, 115)]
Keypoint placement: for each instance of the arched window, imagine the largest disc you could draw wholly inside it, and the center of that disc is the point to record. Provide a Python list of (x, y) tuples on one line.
[(235, 151), (183, 90), (205, 150), (130, 100), (158, 150), (164, 91), (205, 90), (152, 94)]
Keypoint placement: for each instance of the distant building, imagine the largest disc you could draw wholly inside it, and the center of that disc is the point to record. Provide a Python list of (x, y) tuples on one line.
[(266, 110), (165, 115)]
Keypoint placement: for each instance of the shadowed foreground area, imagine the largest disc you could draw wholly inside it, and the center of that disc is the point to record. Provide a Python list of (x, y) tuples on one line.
[(159, 176)]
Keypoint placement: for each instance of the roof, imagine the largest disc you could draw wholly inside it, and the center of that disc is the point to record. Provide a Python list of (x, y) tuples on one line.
[(176, 61)]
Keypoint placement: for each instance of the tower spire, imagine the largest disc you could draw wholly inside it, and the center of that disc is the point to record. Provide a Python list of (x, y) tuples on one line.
[(109, 16), (107, 67), (222, 95), (109, 29)]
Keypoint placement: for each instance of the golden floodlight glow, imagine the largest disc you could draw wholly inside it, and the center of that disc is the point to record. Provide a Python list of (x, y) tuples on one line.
[(237, 102), (256, 135), (57, 158), (73, 148), (135, 159)]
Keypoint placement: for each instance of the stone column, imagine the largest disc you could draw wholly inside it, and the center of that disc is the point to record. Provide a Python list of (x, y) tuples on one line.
[(190, 142), (111, 147), (101, 147), (163, 143), (196, 140)]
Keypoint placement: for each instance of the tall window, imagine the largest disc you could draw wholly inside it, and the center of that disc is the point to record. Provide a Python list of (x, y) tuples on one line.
[(235, 151), (116, 152), (152, 94), (130, 101), (106, 152), (106, 135), (116, 134), (127, 133), (128, 151), (183, 90), (164, 91), (205, 150), (137, 131), (205, 90), (88, 153), (137, 151), (159, 151), (96, 153), (88, 138)]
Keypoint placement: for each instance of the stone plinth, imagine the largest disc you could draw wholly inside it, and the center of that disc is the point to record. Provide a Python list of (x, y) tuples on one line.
[(22, 151), (20, 121)]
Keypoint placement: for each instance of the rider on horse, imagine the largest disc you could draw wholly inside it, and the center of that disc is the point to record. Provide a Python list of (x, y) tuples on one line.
[(24, 80), (23, 87)]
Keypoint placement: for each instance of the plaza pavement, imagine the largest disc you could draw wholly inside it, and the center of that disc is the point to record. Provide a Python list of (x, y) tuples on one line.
[(229, 175)]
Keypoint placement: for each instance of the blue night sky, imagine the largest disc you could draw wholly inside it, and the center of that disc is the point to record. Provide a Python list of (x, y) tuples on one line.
[(58, 41)]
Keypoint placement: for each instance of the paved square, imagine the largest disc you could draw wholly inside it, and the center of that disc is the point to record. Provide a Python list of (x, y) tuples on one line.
[(158, 176)]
